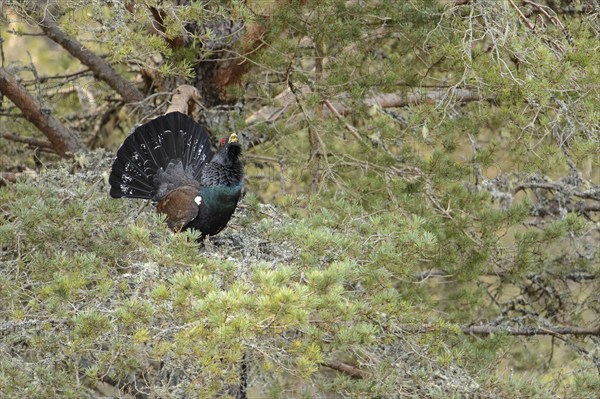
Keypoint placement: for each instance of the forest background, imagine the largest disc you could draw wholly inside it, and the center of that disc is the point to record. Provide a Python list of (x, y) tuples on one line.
[(421, 215)]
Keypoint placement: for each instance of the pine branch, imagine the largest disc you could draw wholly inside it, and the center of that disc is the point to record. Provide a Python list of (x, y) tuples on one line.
[(159, 26), (102, 70), (61, 138)]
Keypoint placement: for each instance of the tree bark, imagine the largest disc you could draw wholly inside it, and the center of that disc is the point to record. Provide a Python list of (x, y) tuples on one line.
[(226, 66), (102, 69), (62, 139)]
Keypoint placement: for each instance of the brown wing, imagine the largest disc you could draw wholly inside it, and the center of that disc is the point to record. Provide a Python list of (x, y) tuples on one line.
[(181, 206)]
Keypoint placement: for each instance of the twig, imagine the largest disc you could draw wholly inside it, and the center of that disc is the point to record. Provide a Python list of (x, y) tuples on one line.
[(552, 18), (262, 158), (348, 126), (67, 76), (27, 140), (422, 276), (523, 17), (593, 194)]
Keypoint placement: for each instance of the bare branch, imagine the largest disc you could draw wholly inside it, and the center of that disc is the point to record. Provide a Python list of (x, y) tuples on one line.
[(580, 276), (13, 177), (349, 127), (27, 140), (425, 275), (514, 331), (530, 331), (62, 139), (418, 96), (523, 17), (67, 76), (386, 100), (347, 369), (542, 9)]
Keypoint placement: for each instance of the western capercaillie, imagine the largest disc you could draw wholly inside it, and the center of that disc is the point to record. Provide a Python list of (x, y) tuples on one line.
[(170, 160)]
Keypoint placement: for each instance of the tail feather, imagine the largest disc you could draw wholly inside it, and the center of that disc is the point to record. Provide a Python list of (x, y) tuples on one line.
[(151, 147)]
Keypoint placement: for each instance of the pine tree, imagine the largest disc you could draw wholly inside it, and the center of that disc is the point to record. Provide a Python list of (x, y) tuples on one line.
[(421, 215)]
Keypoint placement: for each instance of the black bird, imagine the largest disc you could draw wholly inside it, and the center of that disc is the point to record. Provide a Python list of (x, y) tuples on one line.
[(170, 160)]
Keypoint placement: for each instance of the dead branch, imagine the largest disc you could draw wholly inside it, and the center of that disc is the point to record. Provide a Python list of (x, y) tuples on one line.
[(66, 77), (102, 70), (585, 8), (593, 194), (347, 369), (62, 139), (419, 96), (540, 8), (577, 277), (567, 191), (523, 17), (13, 177), (514, 331), (27, 140), (349, 127), (422, 276), (184, 98), (387, 100), (580, 276), (281, 102), (530, 331)]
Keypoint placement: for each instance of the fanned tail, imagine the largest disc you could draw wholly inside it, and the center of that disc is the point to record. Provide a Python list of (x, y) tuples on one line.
[(150, 149)]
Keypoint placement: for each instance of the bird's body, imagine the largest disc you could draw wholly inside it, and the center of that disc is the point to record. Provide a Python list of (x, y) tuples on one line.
[(170, 160)]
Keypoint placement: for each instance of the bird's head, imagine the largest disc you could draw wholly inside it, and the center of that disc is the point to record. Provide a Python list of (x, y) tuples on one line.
[(229, 150)]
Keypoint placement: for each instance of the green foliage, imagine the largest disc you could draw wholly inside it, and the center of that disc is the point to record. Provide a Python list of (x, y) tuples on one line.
[(487, 191)]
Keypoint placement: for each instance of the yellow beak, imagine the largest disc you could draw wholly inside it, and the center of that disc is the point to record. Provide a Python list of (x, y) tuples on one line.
[(233, 138)]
